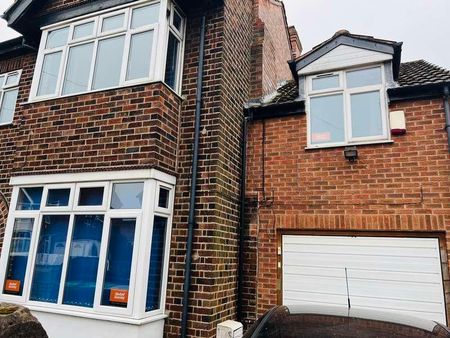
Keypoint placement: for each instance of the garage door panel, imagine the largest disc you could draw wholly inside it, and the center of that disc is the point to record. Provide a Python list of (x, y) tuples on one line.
[(373, 250), (363, 273), (361, 241), (406, 264), (395, 304), (392, 274)]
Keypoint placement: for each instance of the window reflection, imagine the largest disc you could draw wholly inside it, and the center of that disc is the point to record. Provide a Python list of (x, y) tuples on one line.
[(49, 258), (82, 268)]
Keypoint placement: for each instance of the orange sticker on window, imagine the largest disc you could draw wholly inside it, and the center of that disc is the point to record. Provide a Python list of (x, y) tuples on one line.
[(321, 137), (12, 285), (118, 296)]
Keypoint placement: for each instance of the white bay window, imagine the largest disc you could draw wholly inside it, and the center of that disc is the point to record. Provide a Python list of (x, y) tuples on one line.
[(88, 246), (127, 45), (347, 107)]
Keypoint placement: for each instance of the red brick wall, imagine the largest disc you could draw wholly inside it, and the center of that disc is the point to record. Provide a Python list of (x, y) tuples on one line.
[(271, 49), (402, 186), (226, 88)]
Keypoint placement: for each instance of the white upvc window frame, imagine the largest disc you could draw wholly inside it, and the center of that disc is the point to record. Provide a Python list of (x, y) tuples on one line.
[(135, 309), (158, 53), (346, 93), (4, 88)]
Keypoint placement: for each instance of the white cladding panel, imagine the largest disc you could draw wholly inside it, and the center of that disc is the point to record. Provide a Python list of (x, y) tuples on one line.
[(387, 274), (343, 57)]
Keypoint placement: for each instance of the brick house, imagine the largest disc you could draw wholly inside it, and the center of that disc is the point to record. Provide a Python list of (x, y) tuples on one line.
[(348, 183), (121, 126)]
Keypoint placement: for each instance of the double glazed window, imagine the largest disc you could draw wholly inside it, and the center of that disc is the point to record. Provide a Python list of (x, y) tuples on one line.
[(9, 90), (347, 107), (76, 245), (114, 49)]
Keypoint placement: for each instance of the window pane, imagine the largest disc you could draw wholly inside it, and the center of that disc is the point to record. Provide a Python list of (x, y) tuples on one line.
[(83, 30), (12, 80), (163, 200), (327, 119), (57, 38), (325, 82), (118, 262), (18, 256), (91, 196), (49, 258), (58, 197), (109, 62), (172, 61), (156, 264), (177, 21), (78, 69), (29, 198), (113, 22), (140, 55), (2, 80), (366, 115), (144, 16), (79, 289), (8, 106), (127, 195), (49, 74), (364, 77)]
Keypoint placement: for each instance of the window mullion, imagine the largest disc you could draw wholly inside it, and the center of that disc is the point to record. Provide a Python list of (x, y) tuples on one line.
[(66, 259), (125, 58), (93, 64), (102, 262), (32, 259)]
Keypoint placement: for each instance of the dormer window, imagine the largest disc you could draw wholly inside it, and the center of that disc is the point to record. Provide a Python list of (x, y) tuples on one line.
[(9, 90), (111, 49), (347, 107)]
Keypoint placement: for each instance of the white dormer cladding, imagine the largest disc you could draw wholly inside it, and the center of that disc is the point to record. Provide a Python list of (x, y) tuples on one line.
[(343, 57)]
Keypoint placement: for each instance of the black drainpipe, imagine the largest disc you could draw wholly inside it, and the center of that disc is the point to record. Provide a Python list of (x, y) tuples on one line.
[(447, 114), (191, 219), (242, 221)]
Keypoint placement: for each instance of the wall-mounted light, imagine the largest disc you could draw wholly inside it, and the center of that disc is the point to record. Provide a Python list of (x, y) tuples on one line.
[(351, 154)]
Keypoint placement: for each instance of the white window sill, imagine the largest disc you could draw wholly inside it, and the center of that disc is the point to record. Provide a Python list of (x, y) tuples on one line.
[(131, 321), (6, 124), (349, 144), (128, 85)]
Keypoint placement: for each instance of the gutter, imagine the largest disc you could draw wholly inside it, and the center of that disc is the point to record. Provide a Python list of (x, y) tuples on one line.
[(193, 189), (447, 113), (274, 110)]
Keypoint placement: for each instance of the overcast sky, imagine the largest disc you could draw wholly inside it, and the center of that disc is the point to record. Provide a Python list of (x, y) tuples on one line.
[(423, 25)]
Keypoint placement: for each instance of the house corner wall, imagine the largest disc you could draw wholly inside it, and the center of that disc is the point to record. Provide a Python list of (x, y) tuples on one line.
[(271, 48)]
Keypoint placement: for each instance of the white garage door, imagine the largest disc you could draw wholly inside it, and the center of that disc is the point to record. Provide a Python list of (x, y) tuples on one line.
[(386, 274)]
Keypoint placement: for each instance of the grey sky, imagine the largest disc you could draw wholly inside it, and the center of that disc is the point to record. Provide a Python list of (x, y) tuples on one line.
[(422, 25)]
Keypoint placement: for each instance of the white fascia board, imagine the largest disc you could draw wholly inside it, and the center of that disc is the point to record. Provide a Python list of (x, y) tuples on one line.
[(93, 177)]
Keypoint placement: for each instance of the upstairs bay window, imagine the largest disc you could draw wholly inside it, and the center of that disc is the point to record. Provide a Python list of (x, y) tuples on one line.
[(120, 47), (347, 107), (93, 247), (9, 90)]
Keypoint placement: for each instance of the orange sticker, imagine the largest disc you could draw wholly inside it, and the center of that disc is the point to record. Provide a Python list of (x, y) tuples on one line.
[(118, 296), (12, 285)]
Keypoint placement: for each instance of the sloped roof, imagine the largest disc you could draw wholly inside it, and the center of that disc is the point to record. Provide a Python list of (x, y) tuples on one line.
[(421, 72), (344, 37), (414, 73)]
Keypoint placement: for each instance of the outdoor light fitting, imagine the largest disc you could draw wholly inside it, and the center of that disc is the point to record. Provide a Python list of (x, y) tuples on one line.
[(351, 154)]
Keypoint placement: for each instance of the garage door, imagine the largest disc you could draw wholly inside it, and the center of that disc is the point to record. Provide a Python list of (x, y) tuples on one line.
[(387, 274)]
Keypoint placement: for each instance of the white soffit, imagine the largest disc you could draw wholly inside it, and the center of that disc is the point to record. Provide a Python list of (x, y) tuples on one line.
[(344, 57)]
